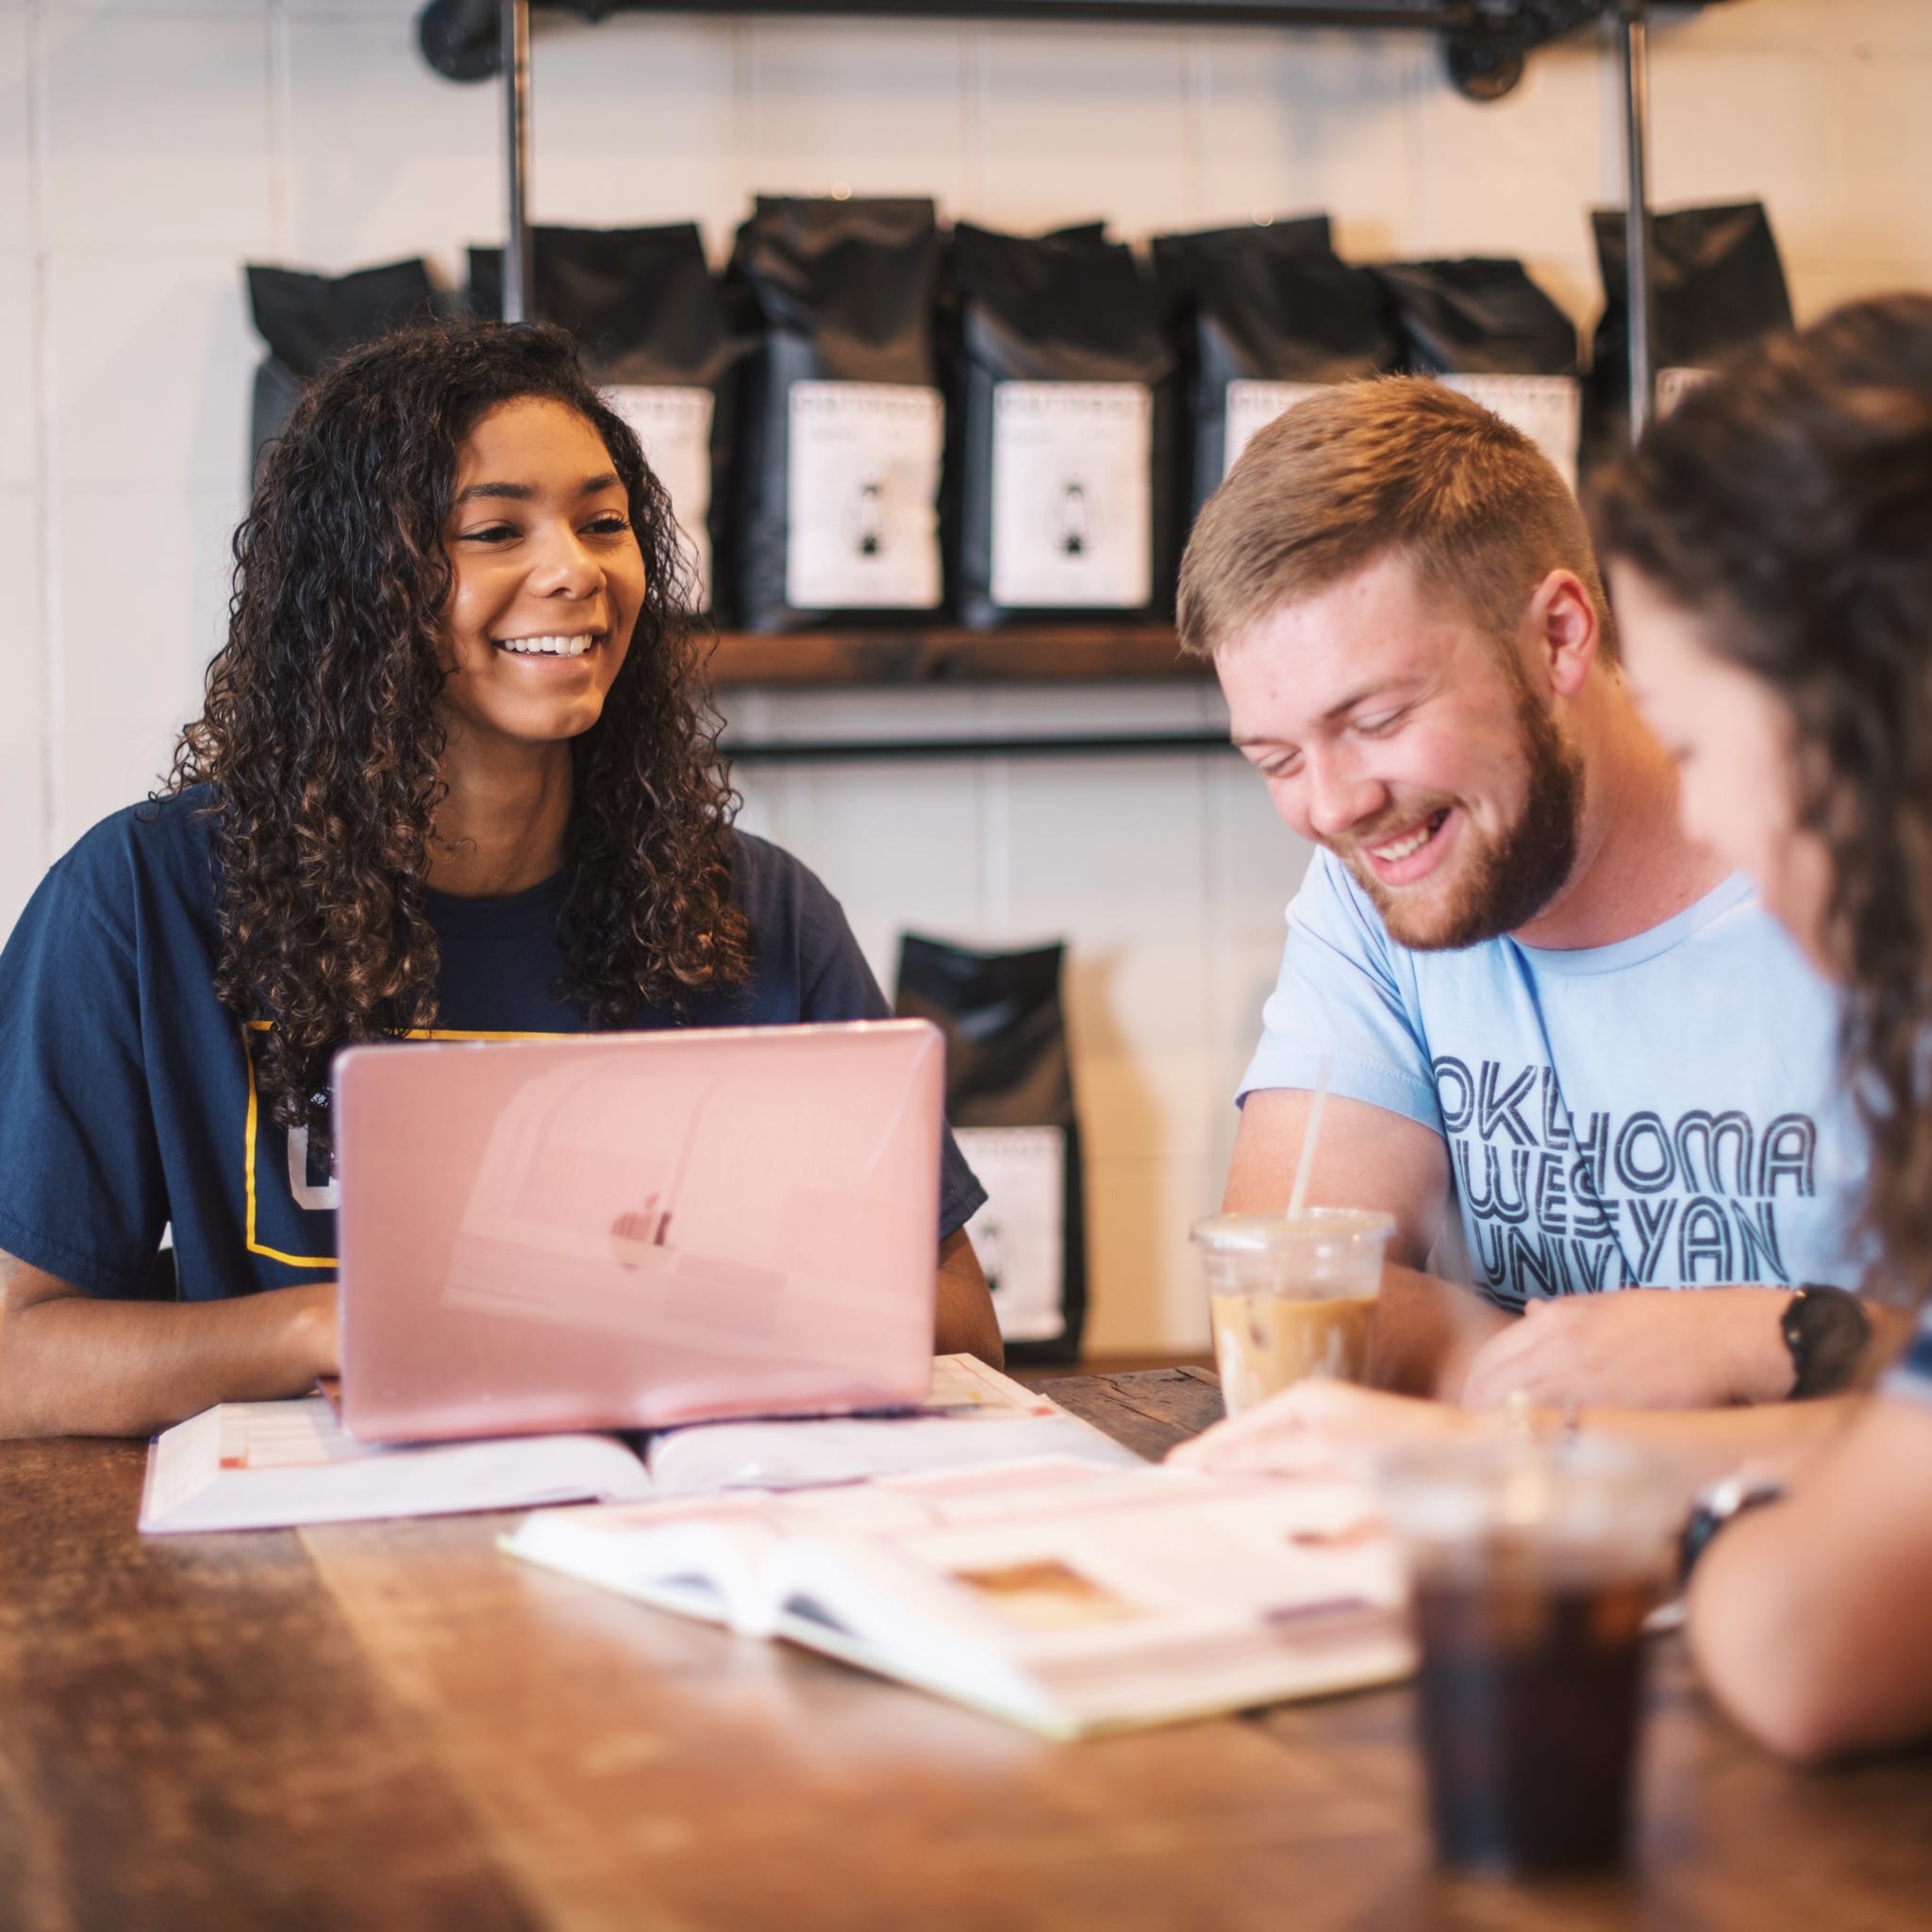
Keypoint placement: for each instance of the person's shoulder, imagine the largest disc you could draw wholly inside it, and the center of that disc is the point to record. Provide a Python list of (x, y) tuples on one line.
[(164, 837), (1332, 906), (1731, 925), (1737, 909), (771, 886), (806, 962), (134, 877)]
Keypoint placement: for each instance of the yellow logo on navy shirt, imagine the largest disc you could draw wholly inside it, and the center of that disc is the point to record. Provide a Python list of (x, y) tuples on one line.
[(278, 1160)]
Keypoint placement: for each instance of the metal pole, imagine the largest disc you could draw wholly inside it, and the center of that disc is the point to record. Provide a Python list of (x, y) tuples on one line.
[(1636, 48), (518, 298)]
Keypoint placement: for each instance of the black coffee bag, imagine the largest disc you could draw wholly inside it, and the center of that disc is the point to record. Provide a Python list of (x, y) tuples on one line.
[(652, 326), (1486, 328), (1718, 285), (1265, 316), (305, 319), (1064, 407), (844, 426), (1009, 1101)]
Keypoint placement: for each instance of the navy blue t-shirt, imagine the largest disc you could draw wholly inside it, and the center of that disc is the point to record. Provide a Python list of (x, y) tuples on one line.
[(128, 1094)]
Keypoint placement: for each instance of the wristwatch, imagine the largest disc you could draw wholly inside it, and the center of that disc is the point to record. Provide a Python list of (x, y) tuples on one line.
[(1825, 1330), (1721, 1503)]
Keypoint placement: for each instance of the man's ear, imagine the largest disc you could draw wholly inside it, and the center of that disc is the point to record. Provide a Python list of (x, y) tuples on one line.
[(1563, 631)]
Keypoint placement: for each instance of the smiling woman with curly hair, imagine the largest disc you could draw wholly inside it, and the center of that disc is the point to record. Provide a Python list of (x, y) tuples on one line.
[(455, 774)]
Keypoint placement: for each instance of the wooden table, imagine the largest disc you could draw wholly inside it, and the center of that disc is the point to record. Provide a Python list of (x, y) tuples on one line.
[(382, 1726)]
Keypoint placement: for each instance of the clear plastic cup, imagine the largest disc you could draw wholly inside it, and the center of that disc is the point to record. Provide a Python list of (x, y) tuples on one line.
[(1533, 1566), (1289, 1297)]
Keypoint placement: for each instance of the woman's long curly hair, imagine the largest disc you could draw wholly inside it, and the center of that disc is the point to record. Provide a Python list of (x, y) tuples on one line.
[(1789, 505), (320, 740)]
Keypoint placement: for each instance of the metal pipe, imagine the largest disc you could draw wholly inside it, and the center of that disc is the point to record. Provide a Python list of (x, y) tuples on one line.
[(1640, 298), (517, 297)]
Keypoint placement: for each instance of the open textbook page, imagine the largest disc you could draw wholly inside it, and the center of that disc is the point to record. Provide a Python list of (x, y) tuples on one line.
[(265, 1465), (973, 1415), (1067, 1596)]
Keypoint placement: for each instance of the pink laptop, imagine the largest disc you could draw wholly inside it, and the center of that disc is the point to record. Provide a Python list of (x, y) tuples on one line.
[(628, 1230)]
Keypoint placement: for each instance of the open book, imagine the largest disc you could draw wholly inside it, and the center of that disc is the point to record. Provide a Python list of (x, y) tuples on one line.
[(1067, 1597), (267, 1465)]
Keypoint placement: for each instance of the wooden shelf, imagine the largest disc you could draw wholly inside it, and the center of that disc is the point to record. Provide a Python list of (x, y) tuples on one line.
[(948, 654)]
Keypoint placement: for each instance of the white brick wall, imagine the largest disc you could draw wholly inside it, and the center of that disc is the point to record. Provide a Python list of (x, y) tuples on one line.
[(146, 147)]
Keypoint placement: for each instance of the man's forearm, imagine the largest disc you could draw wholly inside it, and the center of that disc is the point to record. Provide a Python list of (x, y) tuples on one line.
[(74, 1366), (1427, 1331)]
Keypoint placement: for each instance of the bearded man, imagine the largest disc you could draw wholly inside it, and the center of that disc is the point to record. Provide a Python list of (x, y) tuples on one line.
[(1530, 996)]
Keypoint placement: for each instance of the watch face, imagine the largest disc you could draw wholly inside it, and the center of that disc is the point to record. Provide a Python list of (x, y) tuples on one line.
[(1827, 1331)]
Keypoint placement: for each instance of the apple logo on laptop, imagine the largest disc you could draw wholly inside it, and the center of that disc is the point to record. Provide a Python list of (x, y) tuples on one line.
[(638, 1237)]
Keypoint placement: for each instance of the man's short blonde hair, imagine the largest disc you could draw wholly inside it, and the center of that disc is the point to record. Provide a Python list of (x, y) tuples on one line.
[(1398, 463)]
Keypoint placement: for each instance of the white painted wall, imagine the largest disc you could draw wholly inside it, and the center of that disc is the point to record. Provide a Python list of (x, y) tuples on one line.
[(148, 147)]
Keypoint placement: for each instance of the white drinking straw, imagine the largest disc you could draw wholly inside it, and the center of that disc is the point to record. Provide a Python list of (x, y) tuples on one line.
[(1306, 1165)]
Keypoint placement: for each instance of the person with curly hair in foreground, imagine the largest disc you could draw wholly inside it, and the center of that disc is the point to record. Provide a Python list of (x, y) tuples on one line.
[(1771, 552), (454, 775)]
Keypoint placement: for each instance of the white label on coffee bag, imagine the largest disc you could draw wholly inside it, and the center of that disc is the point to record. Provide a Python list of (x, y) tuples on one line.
[(674, 427), (1252, 405), (1072, 496), (1547, 408), (1018, 1234), (862, 490), (1673, 384)]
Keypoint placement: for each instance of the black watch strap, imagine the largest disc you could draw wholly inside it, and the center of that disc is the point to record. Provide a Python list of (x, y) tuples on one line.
[(1721, 1504), (1827, 1331)]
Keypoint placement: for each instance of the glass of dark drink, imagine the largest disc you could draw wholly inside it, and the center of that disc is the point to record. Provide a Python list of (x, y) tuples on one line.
[(1533, 1566)]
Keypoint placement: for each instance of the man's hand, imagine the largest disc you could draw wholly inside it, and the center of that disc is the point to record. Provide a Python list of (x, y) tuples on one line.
[(1639, 1348), (1319, 1424)]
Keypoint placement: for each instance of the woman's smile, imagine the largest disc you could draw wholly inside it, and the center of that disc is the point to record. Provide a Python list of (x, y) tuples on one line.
[(551, 644)]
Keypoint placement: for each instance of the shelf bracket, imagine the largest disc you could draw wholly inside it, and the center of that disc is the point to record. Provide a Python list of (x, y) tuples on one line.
[(1485, 44)]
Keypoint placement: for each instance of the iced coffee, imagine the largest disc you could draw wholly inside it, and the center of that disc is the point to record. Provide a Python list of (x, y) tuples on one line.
[(1290, 1296), (1533, 1568)]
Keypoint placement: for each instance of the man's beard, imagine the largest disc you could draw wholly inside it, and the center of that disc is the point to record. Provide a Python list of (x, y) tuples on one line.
[(1505, 881)]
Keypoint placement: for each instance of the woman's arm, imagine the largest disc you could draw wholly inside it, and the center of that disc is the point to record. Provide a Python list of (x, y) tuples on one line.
[(964, 1323), (1315, 1423), (1808, 1617), (71, 1364)]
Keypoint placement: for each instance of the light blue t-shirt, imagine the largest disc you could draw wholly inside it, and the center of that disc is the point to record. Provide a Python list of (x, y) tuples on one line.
[(1665, 1112)]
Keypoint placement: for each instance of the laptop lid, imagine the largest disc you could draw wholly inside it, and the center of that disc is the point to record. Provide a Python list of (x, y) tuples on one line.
[(628, 1230)]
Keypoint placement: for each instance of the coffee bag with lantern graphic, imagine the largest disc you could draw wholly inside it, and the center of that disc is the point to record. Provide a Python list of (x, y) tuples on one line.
[(845, 425), (1717, 285), (1064, 396), (647, 315), (1484, 327), (1265, 315)]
